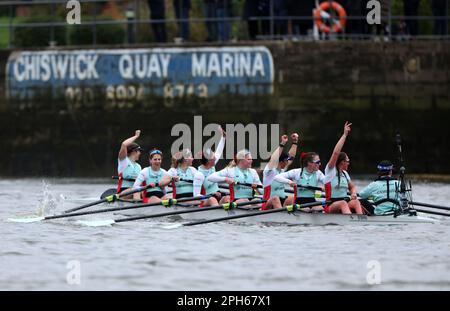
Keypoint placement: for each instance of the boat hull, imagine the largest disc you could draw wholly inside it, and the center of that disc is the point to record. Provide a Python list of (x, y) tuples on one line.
[(295, 218)]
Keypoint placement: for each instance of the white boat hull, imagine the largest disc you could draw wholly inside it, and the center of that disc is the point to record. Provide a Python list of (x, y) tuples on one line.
[(295, 218)]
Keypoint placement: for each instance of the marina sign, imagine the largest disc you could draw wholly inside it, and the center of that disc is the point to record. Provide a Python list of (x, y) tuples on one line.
[(135, 74)]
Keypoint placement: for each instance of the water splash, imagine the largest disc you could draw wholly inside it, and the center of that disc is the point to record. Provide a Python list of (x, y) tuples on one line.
[(49, 202)]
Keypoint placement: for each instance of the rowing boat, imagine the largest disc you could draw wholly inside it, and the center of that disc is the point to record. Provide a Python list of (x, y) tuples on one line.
[(295, 218)]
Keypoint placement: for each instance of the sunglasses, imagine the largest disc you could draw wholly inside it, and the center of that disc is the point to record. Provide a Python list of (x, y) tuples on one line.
[(318, 162)]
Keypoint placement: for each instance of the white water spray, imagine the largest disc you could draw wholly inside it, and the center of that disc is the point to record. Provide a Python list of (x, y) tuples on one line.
[(49, 202)]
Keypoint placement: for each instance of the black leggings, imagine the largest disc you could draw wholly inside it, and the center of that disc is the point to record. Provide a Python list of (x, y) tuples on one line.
[(305, 200)]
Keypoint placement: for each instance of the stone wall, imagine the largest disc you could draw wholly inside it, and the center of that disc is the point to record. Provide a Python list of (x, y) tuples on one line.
[(383, 88)]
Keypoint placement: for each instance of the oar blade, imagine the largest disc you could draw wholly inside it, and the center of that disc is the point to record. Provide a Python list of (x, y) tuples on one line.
[(26, 219), (108, 192), (173, 226), (97, 223)]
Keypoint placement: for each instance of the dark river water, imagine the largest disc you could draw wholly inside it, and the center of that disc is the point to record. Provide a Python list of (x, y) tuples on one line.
[(145, 255)]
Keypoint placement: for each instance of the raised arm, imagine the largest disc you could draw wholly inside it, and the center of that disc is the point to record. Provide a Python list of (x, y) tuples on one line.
[(273, 162), (220, 146), (123, 148), (337, 149), (293, 150)]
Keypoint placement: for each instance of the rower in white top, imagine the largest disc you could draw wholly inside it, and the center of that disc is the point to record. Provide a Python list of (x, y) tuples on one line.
[(242, 179), (128, 168), (182, 173), (280, 161), (308, 180), (208, 161), (338, 181), (155, 177)]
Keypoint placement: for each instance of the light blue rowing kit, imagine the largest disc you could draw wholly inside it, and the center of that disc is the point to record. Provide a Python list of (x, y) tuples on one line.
[(384, 192), (128, 169)]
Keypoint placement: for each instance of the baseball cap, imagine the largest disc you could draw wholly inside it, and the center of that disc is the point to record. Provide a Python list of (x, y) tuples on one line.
[(385, 165), (134, 147)]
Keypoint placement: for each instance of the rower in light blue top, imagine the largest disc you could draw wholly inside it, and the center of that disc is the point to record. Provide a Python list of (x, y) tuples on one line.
[(237, 173), (383, 191), (208, 161), (337, 180), (279, 162), (183, 174), (308, 179), (128, 168), (155, 177)]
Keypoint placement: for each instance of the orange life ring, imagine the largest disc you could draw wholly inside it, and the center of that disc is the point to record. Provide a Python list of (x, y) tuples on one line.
[(337, 26)]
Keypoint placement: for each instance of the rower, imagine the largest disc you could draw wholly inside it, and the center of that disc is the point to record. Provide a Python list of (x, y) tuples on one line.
[(383, 191), (155, 176), (182, 173), (236, 174), (208, 161), (279, 162), (128, 168), (338, 182), (307, 179)]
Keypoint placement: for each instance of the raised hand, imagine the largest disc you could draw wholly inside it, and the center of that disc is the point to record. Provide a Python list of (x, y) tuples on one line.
[(347, 128), (137, 133), (284, 139)]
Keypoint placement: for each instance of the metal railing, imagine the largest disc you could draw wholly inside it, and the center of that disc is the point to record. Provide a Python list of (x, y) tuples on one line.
[(241, 23)]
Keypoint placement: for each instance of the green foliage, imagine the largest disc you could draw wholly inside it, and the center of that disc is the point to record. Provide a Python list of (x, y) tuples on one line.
[(105, 33), (4, 32), (35, 35), (4, 10)]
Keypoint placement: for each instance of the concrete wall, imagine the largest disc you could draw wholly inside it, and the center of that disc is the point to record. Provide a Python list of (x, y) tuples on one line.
[(383, 88)]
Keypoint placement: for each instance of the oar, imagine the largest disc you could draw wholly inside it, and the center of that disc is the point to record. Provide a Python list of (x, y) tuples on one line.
[(112, 191), (289, 208), (432, 212), (430, 205), (247, 185), (166, 202), (287, 190), (108, 192), (131, 179), (110, 198), (290, 191), (225, 206)]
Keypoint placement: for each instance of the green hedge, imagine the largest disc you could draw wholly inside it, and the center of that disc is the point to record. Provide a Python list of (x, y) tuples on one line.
[(105, 34), (37, 35)]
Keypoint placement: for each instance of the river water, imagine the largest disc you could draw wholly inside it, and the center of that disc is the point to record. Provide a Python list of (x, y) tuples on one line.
[(145, 255)]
